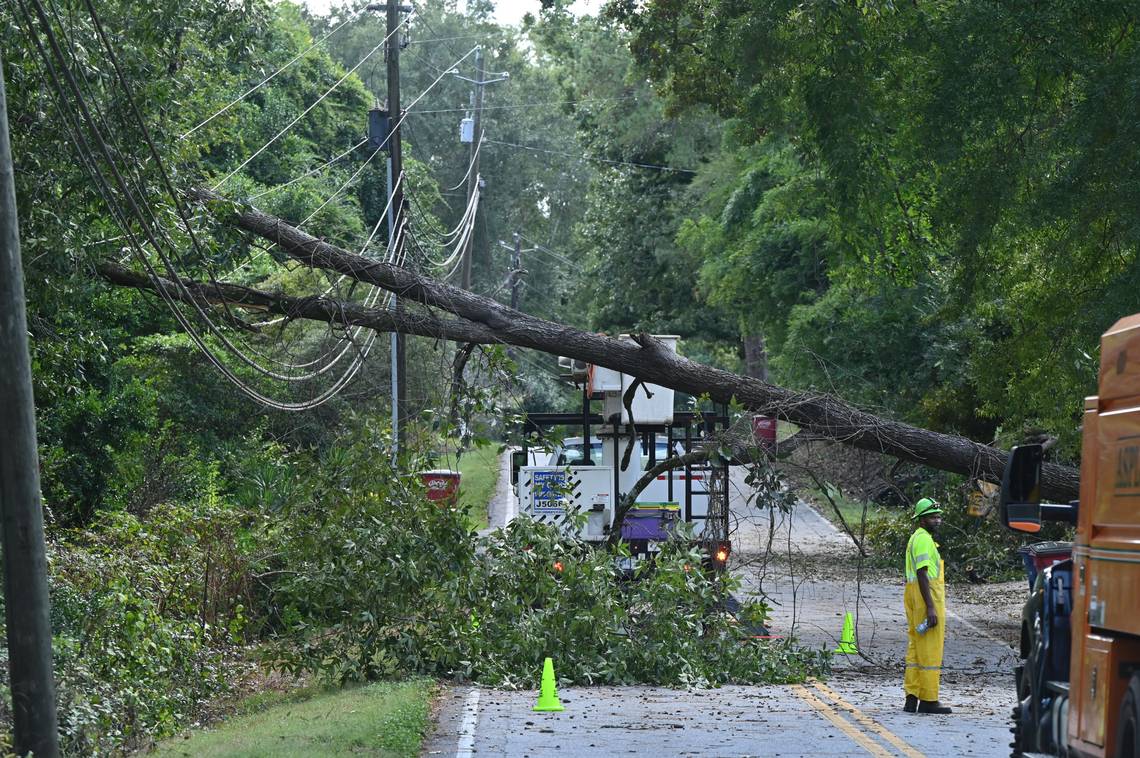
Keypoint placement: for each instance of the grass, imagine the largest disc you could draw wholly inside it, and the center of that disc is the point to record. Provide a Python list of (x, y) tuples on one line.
[(381, 719), (479, 475), (852, 510)]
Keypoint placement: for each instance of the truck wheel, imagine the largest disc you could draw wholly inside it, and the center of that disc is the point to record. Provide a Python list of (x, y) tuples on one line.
[(1128, 725), (1018, 716)]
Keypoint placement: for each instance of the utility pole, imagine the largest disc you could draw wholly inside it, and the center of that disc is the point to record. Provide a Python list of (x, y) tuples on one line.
[(473, 176), (516, 272), (26, 602), (395, 212)]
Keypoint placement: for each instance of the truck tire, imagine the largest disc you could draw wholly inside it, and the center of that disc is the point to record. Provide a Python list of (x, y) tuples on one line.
[(1017, 718), (1128, 725)]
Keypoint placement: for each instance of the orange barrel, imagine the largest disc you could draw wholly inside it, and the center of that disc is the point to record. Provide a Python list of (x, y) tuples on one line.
[(442, 485)]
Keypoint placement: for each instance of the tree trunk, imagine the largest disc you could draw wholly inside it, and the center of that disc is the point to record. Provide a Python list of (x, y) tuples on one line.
[(488, 320), (755, 357)]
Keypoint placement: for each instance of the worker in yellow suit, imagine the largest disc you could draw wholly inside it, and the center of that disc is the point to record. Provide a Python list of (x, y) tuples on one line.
[(925, 600)]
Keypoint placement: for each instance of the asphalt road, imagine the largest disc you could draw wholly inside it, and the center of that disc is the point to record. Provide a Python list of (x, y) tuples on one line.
[(811, 576)]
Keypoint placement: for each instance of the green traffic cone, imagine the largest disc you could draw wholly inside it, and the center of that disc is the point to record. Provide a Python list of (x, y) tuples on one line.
[(548, 697), (847, 644)]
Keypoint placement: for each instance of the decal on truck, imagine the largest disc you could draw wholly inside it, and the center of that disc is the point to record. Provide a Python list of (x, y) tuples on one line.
[(549, 492)]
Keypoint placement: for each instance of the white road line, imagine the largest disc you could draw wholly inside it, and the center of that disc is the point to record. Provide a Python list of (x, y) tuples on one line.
[(466, 746)]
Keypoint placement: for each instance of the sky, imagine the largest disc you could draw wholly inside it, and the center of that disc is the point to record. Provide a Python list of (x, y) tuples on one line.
[(506, 11)]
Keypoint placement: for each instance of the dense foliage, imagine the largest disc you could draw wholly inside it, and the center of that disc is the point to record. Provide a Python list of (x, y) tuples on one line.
[(377, 580), (929, 209), (968, 184), (189, 527)]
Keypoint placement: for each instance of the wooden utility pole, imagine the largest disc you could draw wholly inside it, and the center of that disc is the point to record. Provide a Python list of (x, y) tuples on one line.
[(396, 215), (396, 193), (473, 176), (26, 601)]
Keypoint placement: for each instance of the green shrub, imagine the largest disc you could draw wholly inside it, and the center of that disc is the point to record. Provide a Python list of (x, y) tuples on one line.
[(975, 548), (144, 612), (377, 580)]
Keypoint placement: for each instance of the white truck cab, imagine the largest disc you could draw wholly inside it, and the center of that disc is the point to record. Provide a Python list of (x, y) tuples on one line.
[(580, 486)]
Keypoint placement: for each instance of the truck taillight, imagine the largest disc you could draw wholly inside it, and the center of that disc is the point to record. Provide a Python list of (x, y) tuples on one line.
[(720, 555)]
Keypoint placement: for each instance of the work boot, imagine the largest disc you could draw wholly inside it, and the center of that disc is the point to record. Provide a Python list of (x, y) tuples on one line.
[(932, 706), (911, 704)]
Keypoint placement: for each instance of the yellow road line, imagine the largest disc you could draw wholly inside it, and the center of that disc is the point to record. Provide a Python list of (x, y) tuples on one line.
[(841, 723), (869, 722)]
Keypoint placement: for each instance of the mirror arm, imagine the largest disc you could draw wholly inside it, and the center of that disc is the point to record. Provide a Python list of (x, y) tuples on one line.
[(1066, 512)]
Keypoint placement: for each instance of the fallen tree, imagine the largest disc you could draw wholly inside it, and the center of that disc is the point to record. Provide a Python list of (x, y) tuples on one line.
[(483, 320)]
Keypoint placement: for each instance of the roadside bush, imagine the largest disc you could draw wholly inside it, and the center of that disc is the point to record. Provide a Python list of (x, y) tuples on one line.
[(375, 580), (144, 612), (974, 548)]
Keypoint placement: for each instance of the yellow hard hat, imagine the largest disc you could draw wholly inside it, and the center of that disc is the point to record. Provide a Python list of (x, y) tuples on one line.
[(926, 507)]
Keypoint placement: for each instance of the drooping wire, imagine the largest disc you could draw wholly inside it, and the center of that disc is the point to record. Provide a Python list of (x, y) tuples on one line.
[(101, 182), (653, 166), (269, 78), (381, 146), (75, 127), (169, 185), (154, 231), (467, 224), (471, 165), (312, 105)]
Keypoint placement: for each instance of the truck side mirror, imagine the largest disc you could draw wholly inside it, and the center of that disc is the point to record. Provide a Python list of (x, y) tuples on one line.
[(518, 460), (1021, 489)]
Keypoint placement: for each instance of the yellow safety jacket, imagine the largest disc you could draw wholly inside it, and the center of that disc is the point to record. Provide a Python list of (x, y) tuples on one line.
[(924, 651)]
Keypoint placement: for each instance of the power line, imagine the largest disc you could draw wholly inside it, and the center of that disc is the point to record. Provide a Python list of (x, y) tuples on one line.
[(123, 217), (555, 255), (113, 206), (592, 158), (305, 112), (380, 147), (267, 79), (441, 39), (470, 164), (182, 214), (329, 199), (548, 251), (423, 19), (533, 105), (310, 172)]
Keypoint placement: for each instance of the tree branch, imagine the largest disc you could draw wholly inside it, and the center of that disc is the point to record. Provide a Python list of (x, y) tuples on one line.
[(325, 309), (818, 413)]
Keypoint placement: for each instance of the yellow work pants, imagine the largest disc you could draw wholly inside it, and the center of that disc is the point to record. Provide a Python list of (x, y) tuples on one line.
[(924, 651)]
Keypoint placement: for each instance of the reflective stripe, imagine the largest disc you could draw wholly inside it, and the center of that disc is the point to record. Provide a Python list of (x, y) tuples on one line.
[(929, 556), (923, 668)]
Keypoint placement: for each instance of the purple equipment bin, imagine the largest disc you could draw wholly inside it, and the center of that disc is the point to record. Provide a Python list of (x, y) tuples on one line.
[(650, 521)]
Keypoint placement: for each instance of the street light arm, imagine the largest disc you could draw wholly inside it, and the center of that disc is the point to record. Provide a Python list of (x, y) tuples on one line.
[(501, 78)]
